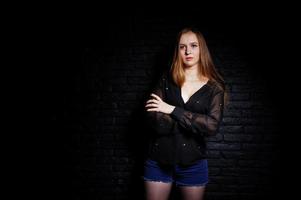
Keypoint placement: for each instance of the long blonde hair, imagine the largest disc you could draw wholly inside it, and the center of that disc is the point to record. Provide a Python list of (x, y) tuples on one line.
[(206, 65)]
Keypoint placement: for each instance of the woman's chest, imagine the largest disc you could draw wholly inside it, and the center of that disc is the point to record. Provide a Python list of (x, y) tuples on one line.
[(197, 98), (189, 89)]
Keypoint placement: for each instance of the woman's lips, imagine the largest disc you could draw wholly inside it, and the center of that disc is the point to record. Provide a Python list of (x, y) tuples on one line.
[(189, 58)]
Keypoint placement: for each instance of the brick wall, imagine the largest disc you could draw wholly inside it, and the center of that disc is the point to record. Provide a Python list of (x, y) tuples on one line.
[(104, 96)]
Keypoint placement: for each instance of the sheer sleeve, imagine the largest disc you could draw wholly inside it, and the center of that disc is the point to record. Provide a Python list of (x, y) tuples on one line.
[(160, 122), (204, 124)]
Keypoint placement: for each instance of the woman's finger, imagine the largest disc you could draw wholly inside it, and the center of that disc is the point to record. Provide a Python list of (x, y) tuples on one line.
[(151, 105), (156, 96), (152, 101), (152, 109)]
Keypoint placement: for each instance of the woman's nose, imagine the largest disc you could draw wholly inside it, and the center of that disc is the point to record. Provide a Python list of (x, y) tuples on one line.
[(188, 51)]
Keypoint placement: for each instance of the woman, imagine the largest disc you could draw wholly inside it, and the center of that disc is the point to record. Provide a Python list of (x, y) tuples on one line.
[(186, 106)]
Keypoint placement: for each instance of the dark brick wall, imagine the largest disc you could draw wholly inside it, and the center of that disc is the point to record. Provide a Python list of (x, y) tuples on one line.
[(102, 94)]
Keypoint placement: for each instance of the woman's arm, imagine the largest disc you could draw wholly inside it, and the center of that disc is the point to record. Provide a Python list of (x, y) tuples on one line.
[(163, 115), (161, 122), (201, 123)]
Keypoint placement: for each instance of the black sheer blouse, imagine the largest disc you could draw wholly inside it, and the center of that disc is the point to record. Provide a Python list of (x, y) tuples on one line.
[(178, 138)]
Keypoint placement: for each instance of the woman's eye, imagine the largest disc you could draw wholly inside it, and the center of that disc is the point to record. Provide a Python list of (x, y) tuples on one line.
[(181, 47), (194, 45)]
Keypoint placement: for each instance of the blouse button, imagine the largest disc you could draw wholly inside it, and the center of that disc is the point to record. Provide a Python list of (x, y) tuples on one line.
[(197, 102), (166, 88), (184, 145)]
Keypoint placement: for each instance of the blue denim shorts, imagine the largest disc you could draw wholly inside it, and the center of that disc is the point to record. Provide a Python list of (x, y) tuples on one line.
[(194, 175)]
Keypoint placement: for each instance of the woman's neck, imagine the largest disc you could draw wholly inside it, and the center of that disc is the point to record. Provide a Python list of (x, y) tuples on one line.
[(192, 74)]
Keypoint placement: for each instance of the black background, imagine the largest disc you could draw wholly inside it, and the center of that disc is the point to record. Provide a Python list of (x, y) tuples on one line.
[(260, 36)]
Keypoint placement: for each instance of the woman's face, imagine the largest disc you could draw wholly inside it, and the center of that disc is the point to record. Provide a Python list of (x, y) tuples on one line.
[(189, 49)]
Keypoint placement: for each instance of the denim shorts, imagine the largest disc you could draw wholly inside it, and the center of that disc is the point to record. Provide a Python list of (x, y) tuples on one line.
[(194, 175)]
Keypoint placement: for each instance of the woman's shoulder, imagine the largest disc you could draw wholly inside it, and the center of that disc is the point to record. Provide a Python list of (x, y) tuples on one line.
[(166, 76), (215, 86)]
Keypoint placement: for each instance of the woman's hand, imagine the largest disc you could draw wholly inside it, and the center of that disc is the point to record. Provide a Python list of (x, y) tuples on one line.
[(158, 105)]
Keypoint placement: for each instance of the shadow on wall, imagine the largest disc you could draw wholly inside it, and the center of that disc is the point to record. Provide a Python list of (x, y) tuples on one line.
[(138, 132)]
